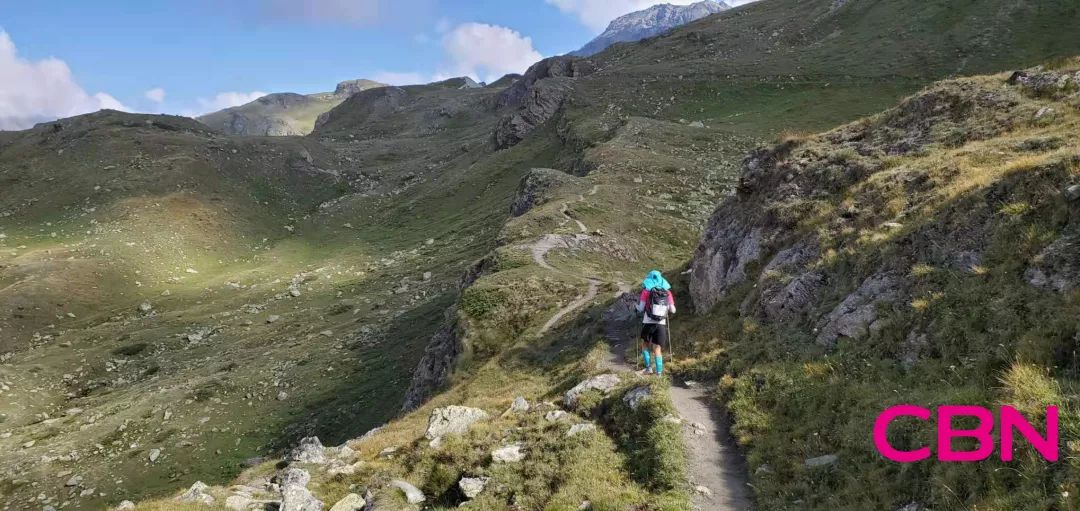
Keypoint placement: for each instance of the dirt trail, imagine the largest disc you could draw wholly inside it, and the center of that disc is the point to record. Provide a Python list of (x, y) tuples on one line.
[(716, 469)]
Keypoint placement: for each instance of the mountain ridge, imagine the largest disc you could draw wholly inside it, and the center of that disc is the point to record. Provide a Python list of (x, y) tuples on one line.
[(650, 22)]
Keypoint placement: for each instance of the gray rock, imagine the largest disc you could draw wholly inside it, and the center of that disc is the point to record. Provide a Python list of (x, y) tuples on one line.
[(126, 505), (520, 405), (1057, 267), (453, 420), (351, 502), (435, 366), (1072, 193), (578, 429), (727, 247), (508, 454), (638, 395), (310, 450), (536, 97), (555, 415), (472, 486), (854, 317), (273, 318), (199, 492), (412, 494), (74, 481), (294, 493), (536, 188), (604, 383), (154, 455), (822, 461), (293, 476)]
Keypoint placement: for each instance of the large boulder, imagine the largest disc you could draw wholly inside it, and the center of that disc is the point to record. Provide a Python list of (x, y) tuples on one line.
[(637, 396), (294, 493), (310, 450), (508, 454), (536, 187), (603, 383), (453, 420)]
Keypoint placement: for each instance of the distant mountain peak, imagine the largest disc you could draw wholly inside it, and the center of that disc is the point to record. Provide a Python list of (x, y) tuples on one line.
[(650, 22)]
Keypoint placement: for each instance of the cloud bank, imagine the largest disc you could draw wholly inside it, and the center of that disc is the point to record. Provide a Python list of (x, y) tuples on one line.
[(39, 91)]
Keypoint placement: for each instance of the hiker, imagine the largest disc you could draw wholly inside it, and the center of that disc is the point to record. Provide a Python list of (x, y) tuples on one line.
[(657, 303)]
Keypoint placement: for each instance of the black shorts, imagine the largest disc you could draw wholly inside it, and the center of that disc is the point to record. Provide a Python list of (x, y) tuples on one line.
[(654, 333)]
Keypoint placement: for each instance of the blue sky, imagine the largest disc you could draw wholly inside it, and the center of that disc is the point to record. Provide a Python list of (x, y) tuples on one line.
[(195, 56)]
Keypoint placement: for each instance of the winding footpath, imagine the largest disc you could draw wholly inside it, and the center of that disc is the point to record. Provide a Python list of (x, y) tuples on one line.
[(716, 470)]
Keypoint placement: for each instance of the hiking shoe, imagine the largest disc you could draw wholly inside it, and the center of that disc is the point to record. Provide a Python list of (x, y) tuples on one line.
[(646, 372)]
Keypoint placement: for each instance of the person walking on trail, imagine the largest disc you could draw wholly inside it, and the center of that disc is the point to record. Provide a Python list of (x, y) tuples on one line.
[(656, 303)]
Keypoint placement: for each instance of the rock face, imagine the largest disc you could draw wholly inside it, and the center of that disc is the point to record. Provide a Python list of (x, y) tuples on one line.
[(1057, 267), (604, 383), (310, 450), (857, 315), (651, 22), (536, 97), (453, 420), (535, 189), (434, 367)]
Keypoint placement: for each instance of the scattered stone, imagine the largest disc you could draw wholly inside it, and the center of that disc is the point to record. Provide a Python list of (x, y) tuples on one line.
[(273, 318), (199, 493), (671, 419), (508, 454), (281, 396), (327, 333), (822, 461), (351, 502), (453, 420), (554, 415), (428, 275), (635, 397), (703, 490), (412, 494), (310, 450), (154, 455), (697, 124), (74, 481), (763, 469), (389, 452), (578, 429), (914, 506), (520, 405), (472, 486), (126, 505), (604, 383), (146, 308), (192, 271), (29, 444)]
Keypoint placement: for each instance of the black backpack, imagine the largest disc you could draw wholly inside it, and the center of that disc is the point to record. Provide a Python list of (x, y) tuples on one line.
[(656, 307)]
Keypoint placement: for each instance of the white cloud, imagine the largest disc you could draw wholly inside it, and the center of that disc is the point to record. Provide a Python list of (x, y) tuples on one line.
[(38, 91), (596, 14), (157, 95), (487, 52), (395, 78)]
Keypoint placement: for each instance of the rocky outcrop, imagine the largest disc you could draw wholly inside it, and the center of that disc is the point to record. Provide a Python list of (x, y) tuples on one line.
[(536, 98), (198, 493), (363, 107), (350, 87), (310, 450), (413, 495), (535, 188), (858, 314), (435, 366), (1057, 267), (453, 420)]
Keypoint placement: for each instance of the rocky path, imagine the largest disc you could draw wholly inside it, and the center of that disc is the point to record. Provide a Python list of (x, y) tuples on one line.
[(716, 469)]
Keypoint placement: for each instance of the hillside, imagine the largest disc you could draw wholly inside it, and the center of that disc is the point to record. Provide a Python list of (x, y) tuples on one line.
[(650, 22), (283, 114), (535, 206)]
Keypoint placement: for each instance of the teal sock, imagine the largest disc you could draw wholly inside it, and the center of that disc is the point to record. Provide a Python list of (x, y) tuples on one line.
[(659, 364), (648, 359)]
